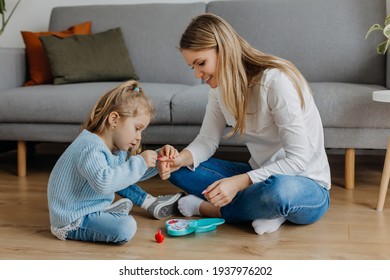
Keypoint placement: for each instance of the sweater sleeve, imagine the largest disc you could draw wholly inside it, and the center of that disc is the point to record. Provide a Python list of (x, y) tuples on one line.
[(284, 103), (207, 141), (103, 178)]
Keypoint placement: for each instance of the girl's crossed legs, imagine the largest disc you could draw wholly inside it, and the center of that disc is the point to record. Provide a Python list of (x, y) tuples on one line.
[(106, 227)]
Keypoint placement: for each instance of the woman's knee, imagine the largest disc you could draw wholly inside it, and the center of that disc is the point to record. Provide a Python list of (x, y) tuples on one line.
[(300, 199), (277, 189)]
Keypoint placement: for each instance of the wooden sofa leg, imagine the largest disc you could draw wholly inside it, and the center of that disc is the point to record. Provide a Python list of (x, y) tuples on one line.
[(350, 168), (22, 158), (384, 180)]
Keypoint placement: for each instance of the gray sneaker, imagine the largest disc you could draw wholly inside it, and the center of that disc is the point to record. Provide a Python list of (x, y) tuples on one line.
[(122, 206), (164, 206)]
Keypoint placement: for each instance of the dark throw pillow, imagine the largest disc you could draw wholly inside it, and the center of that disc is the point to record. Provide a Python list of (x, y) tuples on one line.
[(89, 58)]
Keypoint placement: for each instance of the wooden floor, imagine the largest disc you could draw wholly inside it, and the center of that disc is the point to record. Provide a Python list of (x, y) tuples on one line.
[(351, 229)]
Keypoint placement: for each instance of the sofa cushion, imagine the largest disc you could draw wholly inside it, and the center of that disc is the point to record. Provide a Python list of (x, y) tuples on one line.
[(339, 104), (151, 32), (71, 103), (350, 105), (189, 105), (39, 69), (161, 95), (89, 58), (317, 36)]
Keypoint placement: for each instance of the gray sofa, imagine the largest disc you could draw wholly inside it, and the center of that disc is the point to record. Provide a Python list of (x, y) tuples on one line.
[(324, 38)]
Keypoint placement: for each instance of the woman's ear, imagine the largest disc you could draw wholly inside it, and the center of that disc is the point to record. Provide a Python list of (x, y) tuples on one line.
[(113, 119)]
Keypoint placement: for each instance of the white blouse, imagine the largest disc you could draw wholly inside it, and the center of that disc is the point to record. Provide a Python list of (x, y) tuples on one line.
[(281, 136)]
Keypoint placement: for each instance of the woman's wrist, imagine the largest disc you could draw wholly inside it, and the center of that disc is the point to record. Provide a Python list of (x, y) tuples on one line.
[(245, 181), (181, 160), (186, 157)]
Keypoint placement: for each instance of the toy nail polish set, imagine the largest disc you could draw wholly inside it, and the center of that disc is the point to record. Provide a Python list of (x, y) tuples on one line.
[(179, 227)]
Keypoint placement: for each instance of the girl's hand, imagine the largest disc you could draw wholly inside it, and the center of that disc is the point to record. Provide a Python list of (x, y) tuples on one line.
[(222, 192), (150, 158)]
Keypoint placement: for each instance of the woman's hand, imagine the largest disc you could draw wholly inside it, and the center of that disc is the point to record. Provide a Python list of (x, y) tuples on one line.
[(164, 169), (176, 163), (222, 192), (166, 158), (167, 152), (166, 166), (150, 158)]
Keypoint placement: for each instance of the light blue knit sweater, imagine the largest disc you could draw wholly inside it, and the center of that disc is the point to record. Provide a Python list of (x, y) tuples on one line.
[(85, 178)]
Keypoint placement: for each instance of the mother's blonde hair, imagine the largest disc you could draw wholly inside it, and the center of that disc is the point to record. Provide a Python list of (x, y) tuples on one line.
[(127, 99), (238, 63)]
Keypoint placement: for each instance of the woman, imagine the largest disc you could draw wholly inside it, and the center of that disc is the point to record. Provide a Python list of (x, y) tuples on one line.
[(268, 104)]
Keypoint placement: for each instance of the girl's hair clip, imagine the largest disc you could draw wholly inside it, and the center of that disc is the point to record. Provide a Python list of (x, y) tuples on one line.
[(136, 89)]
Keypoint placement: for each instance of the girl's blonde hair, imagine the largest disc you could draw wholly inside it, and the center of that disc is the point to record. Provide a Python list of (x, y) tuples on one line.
[(127, 99), (238, 63)]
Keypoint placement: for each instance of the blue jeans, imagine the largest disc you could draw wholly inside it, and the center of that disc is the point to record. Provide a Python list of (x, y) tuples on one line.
[(112, 227), (299, 199), (105, 227), (134, 192)]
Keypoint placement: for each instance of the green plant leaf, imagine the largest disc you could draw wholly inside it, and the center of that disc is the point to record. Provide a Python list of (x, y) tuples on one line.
[(4, 20), (386, 31), (372, 28), (382, 47), (2, 6), (387, 19)]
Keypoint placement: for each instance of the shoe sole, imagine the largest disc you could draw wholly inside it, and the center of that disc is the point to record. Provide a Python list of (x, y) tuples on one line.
[(111, 207), (167, 209)]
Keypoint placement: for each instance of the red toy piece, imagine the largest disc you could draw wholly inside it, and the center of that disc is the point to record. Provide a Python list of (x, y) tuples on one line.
[(159, 237)]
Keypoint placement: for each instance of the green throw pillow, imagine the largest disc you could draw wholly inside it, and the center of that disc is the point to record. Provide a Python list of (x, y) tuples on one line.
[(89, 58)]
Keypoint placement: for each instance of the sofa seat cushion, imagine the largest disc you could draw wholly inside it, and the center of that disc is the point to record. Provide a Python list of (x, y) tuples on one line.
[(339, 104), (71, 103), (350, 105)]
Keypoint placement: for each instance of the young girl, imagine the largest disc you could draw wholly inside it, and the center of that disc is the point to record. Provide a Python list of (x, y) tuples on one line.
[(268, 104), (105, 158)]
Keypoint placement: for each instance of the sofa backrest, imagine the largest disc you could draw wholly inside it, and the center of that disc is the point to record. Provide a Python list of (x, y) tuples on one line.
[(323, 38), (151, 32)]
